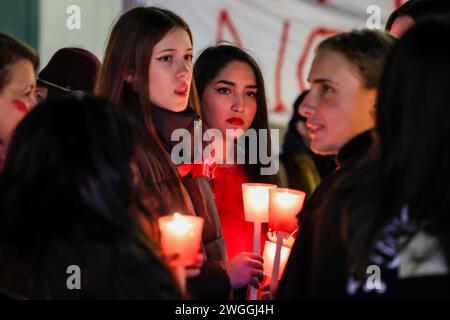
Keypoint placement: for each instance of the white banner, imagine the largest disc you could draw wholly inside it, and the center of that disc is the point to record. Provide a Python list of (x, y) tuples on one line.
[(281, 34)]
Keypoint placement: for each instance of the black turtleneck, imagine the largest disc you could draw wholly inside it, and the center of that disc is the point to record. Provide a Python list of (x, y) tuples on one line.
[(317, 264), (355, 149), (167, 121)]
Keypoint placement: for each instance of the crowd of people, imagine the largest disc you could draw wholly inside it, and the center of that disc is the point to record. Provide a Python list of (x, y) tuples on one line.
[(86, 166)]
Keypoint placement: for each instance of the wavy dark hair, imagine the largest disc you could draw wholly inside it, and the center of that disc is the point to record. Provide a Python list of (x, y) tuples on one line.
[(410, 163), (67, 176), (209, 64)]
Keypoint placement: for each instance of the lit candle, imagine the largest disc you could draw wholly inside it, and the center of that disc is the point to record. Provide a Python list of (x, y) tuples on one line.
[(256, 208), (181, 235), (284, 205), (256, 201), (269, 257)]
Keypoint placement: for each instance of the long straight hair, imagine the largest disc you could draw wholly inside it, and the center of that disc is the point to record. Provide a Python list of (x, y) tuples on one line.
[(208, 65), (129, 51)]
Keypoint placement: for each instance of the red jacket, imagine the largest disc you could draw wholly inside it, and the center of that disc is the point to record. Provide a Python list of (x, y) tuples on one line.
[(227, 189)]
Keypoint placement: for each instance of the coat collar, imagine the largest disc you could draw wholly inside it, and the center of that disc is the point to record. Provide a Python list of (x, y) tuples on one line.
[(355, 148)]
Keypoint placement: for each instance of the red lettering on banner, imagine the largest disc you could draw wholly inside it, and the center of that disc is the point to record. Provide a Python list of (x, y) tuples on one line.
[(319, 32), (399, 3), (279, 106), (225, 21)]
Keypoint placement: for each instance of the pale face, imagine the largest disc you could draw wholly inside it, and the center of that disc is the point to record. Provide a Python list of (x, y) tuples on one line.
[(170, 71), (17, 97), (338, 108), (229, 100), (401, 25)]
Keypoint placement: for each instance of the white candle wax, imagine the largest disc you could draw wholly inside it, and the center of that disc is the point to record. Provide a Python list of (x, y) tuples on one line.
[(181, 234)]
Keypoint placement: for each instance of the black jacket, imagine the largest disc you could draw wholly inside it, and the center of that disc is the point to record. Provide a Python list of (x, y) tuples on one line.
[(317, 265)]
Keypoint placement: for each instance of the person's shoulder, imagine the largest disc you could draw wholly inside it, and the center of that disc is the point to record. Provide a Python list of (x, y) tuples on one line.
[(145, 275)]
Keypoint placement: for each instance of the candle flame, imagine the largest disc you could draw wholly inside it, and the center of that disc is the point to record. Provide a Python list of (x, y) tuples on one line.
[(287, 199), (179, 223), (259, 198)]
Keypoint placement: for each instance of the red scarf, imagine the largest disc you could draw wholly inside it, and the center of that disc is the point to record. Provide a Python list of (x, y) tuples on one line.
[(206, 169)]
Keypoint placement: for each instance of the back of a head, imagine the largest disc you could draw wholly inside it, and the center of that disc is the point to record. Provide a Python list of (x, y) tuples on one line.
[(365, 49), (418, 9), (68, 165), (11, 51), (70, 69), (413, 117)]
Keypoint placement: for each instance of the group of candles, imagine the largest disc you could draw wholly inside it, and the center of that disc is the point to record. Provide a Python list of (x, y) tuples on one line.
[(263, 203), (279, 207)]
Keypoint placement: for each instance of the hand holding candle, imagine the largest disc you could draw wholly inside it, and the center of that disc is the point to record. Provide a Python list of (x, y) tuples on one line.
[(256, 208), (191, 270), (181, 236)]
